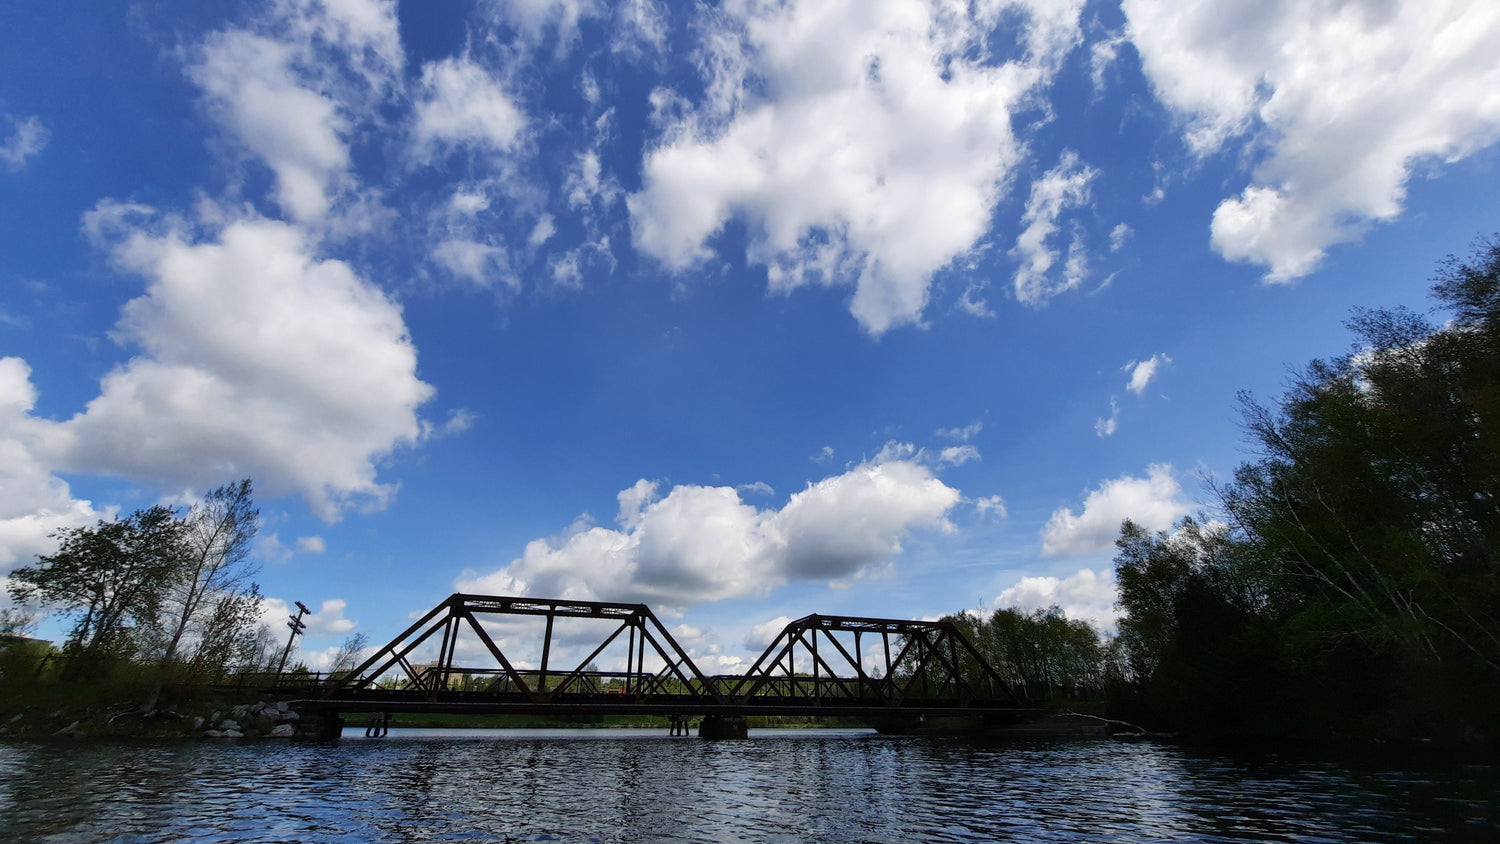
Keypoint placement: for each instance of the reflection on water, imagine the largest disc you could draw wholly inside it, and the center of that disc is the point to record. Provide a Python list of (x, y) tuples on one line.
[(780, 785)]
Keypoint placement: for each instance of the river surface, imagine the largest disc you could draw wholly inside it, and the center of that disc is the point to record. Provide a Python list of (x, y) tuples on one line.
[(777, 786)]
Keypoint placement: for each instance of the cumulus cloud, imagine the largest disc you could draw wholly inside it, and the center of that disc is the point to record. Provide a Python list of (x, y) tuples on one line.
[(1346, 99), (1059, 190), (34, 502), (26, 140), (1153, 502), (762, 635), (311, 544), (864, 142), (462, 106), (1142, 372), (698, 544), (256, 358), (1086, 594), (288, 90)]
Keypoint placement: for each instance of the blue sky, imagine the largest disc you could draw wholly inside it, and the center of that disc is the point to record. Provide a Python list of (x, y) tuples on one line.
[(744, 310)]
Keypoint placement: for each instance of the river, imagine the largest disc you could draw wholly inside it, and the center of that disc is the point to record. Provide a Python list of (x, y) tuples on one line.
[(777, 786)]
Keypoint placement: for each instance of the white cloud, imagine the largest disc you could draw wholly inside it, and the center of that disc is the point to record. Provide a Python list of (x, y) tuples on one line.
[(269, 547), (824, 455), (34, 502), (1345, 98), (991, 504), (698, 544), (1142, 372), (757, 488), (1106, 426), (480, 264), (328, 619), (534, 19), (586, 185), (1059, 190), (1119, 236), (957, 455), (542, 232), (28, 137), (1153, 502), (462, 105), (640, 27), (964, 434), (762, 635), (290, 87), (256, 358), (1086, 594), (311, 544), (863, 141)]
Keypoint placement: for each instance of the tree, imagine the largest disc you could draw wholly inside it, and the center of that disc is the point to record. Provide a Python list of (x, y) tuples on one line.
[(113, 576), (1038, 652), (349, 653), (1356, 576), (214, 570), (231, 635)]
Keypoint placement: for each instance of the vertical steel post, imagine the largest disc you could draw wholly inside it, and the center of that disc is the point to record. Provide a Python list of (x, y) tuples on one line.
[(546, 649)]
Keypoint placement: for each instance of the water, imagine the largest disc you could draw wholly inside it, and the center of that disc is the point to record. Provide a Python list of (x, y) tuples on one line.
[(778, 786)]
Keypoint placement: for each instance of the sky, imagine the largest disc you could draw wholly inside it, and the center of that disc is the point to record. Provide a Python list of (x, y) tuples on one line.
[(744, 310)]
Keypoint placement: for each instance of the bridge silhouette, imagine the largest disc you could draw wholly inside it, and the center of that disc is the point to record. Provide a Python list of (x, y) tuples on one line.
[(892, 669)]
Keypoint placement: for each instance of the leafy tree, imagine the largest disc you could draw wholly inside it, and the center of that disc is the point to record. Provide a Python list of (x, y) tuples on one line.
[(231, 634), (1037, 653), (113, 576), (209, 589), (1355, 579)]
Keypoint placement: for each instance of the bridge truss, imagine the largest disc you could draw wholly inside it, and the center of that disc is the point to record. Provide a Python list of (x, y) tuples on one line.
[(817, 665)]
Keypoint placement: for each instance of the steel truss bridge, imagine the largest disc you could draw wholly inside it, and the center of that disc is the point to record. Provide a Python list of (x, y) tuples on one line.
[(817, 665)]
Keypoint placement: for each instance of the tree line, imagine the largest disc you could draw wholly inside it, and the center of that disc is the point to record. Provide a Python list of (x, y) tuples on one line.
[(1348, 583)]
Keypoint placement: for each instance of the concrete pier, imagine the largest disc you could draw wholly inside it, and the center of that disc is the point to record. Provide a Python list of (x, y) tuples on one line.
[(723, 727)]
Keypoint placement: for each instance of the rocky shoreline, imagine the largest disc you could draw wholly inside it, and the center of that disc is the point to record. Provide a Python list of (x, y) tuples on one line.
[(258, 720)]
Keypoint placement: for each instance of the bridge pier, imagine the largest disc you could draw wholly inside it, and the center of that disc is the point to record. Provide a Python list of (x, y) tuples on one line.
[(723, 727)]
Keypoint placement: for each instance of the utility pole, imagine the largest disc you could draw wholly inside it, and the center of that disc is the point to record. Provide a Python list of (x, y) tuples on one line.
[(295, 622)]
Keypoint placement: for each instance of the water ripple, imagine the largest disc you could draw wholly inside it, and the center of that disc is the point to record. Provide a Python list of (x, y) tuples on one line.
[(615, 786)]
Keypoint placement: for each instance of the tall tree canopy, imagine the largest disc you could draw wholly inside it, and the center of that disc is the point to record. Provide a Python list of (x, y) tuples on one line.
[(1357, 558)]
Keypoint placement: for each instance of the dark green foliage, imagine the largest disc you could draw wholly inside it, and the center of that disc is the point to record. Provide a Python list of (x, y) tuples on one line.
[(1041, 655), (112, 576), (1354, 583), (155, 586)]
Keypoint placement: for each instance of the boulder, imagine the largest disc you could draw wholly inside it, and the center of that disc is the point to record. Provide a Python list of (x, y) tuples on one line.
[(229, 724), (282, 731)]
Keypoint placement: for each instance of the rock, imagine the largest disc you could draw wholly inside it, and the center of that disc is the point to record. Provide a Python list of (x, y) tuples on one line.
[(233, 734), (290, 715), (18, 716), (229, 724), (214, 717), (214, 733), (283, 706), (70, 730), (197, 722), (282, 731)]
